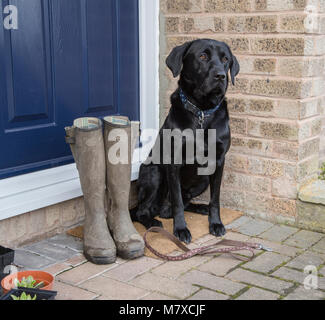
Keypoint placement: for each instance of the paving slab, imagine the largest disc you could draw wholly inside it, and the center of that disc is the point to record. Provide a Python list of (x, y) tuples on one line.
[(58, 268), (68, 292), (204, 239), (77, 260), (255, 227), (46, 249), (259, 280), (172, 288), (266, 262), (290, 274), (319, 246), (278, 233), (220, 265), (304, 239), (67, 241), (156, 296), (239, 222), (194, 245), (278, 247), (229, 235), (174, 269), (307, 258), (205, 294), (84, 272), (297, 276), (206, 280), (236, 236), (258, 294), (120, 260), (111, 289), (131, 269), (29, 260), (302, 294)]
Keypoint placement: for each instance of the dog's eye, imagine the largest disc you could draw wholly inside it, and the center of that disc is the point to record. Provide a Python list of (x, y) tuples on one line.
[(224, 60), (203, 57)]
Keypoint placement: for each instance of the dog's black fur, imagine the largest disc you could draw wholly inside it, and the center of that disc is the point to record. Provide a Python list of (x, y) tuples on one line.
[(166, 190)]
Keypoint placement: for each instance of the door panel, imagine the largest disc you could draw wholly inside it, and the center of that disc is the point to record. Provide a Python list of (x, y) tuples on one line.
[(66, 60), (100, 58), (27, 69)]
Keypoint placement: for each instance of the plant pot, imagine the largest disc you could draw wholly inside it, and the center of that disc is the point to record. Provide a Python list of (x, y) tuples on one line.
[(7, 283), (40, 294), (6, 258)]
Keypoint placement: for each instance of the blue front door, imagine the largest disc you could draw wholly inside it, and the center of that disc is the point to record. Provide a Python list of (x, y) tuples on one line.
[(67, 59)]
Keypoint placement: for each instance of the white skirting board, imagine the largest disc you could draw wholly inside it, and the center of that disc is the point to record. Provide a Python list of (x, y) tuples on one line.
[(41, 189)]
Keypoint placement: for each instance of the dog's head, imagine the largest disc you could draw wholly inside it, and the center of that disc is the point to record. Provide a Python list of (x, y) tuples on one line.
[(204, 66)]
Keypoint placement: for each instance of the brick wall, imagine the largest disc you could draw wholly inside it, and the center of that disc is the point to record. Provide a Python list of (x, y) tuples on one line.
[(277, 106)]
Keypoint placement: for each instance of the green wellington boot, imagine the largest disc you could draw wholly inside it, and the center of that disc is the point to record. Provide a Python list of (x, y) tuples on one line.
[(128, 242), (86, 141)]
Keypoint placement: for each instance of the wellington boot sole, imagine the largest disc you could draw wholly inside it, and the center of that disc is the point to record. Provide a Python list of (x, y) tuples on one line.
[(100, 260), (130, 255)]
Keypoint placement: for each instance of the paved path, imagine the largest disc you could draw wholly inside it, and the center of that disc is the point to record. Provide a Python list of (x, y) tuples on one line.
[(271, 275)]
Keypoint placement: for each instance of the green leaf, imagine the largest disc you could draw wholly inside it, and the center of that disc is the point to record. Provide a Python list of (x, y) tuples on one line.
[(24, 296), (28, 282), (39, 285)]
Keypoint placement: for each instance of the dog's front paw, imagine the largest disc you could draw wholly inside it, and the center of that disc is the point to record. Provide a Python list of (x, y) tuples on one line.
[(183, 235), (217, 229)]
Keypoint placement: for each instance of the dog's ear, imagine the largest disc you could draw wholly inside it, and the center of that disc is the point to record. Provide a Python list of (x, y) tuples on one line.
[(175, 59), (234, 68)]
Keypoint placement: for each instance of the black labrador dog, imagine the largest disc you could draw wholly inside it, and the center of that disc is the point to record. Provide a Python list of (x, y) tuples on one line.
[(198, 103)]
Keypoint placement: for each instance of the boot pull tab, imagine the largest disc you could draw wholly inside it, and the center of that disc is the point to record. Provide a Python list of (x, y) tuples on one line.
[(70, 136)]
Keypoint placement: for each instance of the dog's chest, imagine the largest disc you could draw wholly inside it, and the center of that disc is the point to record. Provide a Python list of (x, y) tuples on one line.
[(204, 143)]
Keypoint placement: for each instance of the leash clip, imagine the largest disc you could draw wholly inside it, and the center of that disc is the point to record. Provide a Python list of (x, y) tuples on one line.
[(262, 247)]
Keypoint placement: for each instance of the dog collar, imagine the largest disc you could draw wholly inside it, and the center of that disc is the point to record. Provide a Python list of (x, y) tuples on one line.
[(201, 114)]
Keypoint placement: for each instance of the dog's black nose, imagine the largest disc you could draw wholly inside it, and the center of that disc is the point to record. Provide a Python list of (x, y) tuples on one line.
[(220, 76)]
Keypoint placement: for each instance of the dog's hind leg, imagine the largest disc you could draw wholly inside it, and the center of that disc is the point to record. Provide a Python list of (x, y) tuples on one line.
[(149, 183), (198, 208), (166, 212), (197, 189)]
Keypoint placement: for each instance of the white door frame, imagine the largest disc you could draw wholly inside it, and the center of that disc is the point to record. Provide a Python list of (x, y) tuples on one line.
[(44, 188)]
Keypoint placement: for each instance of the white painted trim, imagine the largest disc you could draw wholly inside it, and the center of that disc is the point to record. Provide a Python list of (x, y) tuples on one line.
[(149, 63), (40, 189)]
